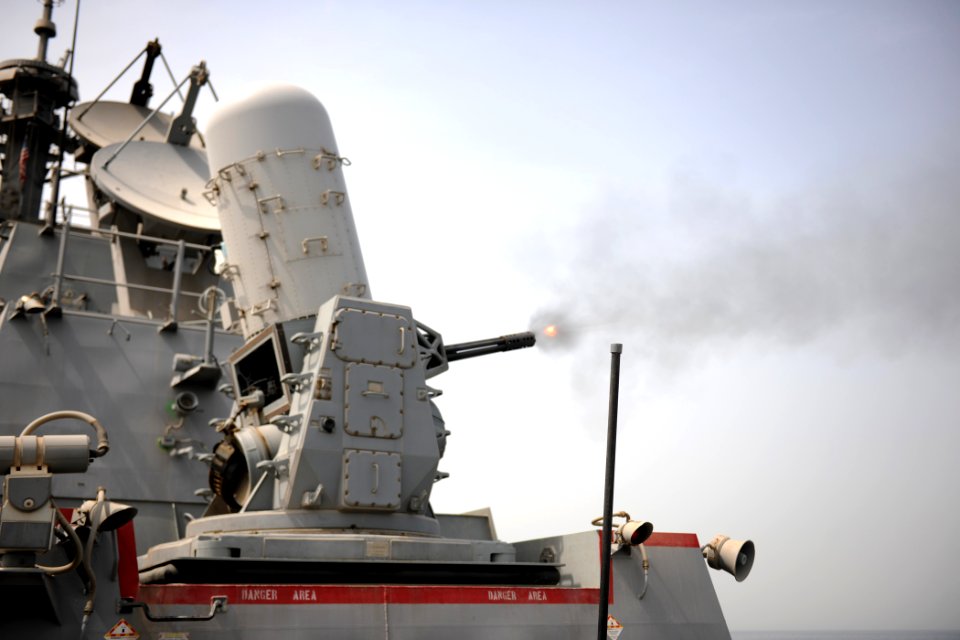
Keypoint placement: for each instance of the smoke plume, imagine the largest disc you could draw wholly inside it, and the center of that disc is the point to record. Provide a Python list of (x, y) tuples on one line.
[(875, 259)]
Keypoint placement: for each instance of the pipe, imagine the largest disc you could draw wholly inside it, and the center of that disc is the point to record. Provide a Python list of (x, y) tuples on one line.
[(78, 545), (103, 444), (88, 560), (646, 571)]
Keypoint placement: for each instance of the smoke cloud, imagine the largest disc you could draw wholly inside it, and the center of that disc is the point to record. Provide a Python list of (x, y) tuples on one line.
[(875, 258)]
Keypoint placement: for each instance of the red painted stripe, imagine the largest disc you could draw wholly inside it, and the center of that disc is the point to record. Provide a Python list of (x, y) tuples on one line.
[(354, 594), (673, 540), (183, 594), (492, 595), (128, 573), (610, 588)]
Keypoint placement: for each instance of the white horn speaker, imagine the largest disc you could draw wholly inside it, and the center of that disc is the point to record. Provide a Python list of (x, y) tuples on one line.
[(733, 556), (107, 515), (635, 532)]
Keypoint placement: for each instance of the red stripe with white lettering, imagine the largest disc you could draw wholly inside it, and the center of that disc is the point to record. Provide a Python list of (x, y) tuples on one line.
[(354, 594), (399, 594)]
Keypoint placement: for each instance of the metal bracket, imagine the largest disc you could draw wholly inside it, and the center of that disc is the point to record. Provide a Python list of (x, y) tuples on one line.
[(338, 197), (230, 271), (309, 341), (218, 604), (278, 467), (116, 325), (261, 204), (330, 158), (211, 192), (311, 499), (297, 381), (287, 424), (323, 240), (262, 307), (427, 393)]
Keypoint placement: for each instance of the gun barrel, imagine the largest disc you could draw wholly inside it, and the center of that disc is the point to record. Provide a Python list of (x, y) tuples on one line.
[(510, 342)]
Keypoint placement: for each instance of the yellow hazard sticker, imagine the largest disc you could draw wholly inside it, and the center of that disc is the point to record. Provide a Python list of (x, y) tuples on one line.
[(121, 630), (614, 628)]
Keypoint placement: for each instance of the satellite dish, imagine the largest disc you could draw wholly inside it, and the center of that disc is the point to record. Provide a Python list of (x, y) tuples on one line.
[(103, 123), (158, 180)]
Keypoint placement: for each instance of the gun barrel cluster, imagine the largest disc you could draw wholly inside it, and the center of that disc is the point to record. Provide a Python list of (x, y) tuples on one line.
[(462, 350)]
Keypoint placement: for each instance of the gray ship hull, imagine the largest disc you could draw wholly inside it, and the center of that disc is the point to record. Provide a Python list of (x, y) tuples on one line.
[(678, 602)]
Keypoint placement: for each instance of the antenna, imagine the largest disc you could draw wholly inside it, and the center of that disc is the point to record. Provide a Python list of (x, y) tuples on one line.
[(51, 219)]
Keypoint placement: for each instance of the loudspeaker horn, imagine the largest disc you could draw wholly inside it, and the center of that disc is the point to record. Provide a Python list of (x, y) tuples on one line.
[(635, 532), (107, 515), (733, 556)]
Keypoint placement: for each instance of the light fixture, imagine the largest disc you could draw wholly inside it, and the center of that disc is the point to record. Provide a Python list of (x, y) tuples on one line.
[(733, 556)]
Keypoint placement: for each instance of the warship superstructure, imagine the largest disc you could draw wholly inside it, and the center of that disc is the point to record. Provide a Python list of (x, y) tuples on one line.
[(210, 428)]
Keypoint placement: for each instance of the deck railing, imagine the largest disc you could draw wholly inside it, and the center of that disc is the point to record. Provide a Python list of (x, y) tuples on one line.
[(175, 292)]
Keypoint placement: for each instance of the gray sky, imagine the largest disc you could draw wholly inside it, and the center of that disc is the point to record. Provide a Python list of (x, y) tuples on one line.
[(759, 199)]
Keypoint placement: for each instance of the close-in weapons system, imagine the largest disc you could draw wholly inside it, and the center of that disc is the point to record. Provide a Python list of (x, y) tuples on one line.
[(209, 428)]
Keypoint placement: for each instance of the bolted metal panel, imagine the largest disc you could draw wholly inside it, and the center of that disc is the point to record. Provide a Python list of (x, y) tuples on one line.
[(371, 479), (374, 338), (374, 403)]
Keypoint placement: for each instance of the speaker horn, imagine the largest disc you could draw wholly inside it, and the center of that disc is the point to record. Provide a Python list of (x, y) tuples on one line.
[(105, 515), (635, 532), (631, 532), (733, 556)]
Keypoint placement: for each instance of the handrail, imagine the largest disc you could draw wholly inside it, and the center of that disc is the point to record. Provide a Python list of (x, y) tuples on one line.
[(93, 233), (199, 325), (175, 293), (218, 604), (128, 285)]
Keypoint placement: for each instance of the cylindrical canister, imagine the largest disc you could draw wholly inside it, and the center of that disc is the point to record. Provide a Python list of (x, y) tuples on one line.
[(277, 177)]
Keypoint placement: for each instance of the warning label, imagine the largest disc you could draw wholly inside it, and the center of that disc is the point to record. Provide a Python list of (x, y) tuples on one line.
[(121, 630), (614, 628)]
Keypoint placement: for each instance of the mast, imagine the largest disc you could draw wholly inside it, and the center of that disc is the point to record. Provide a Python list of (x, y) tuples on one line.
[(29, 124)]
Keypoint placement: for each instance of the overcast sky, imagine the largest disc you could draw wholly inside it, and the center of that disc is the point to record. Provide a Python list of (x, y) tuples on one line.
[(761, 200)]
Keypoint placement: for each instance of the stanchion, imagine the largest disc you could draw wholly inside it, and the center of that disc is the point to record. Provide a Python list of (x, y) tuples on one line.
[(615, 350)]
